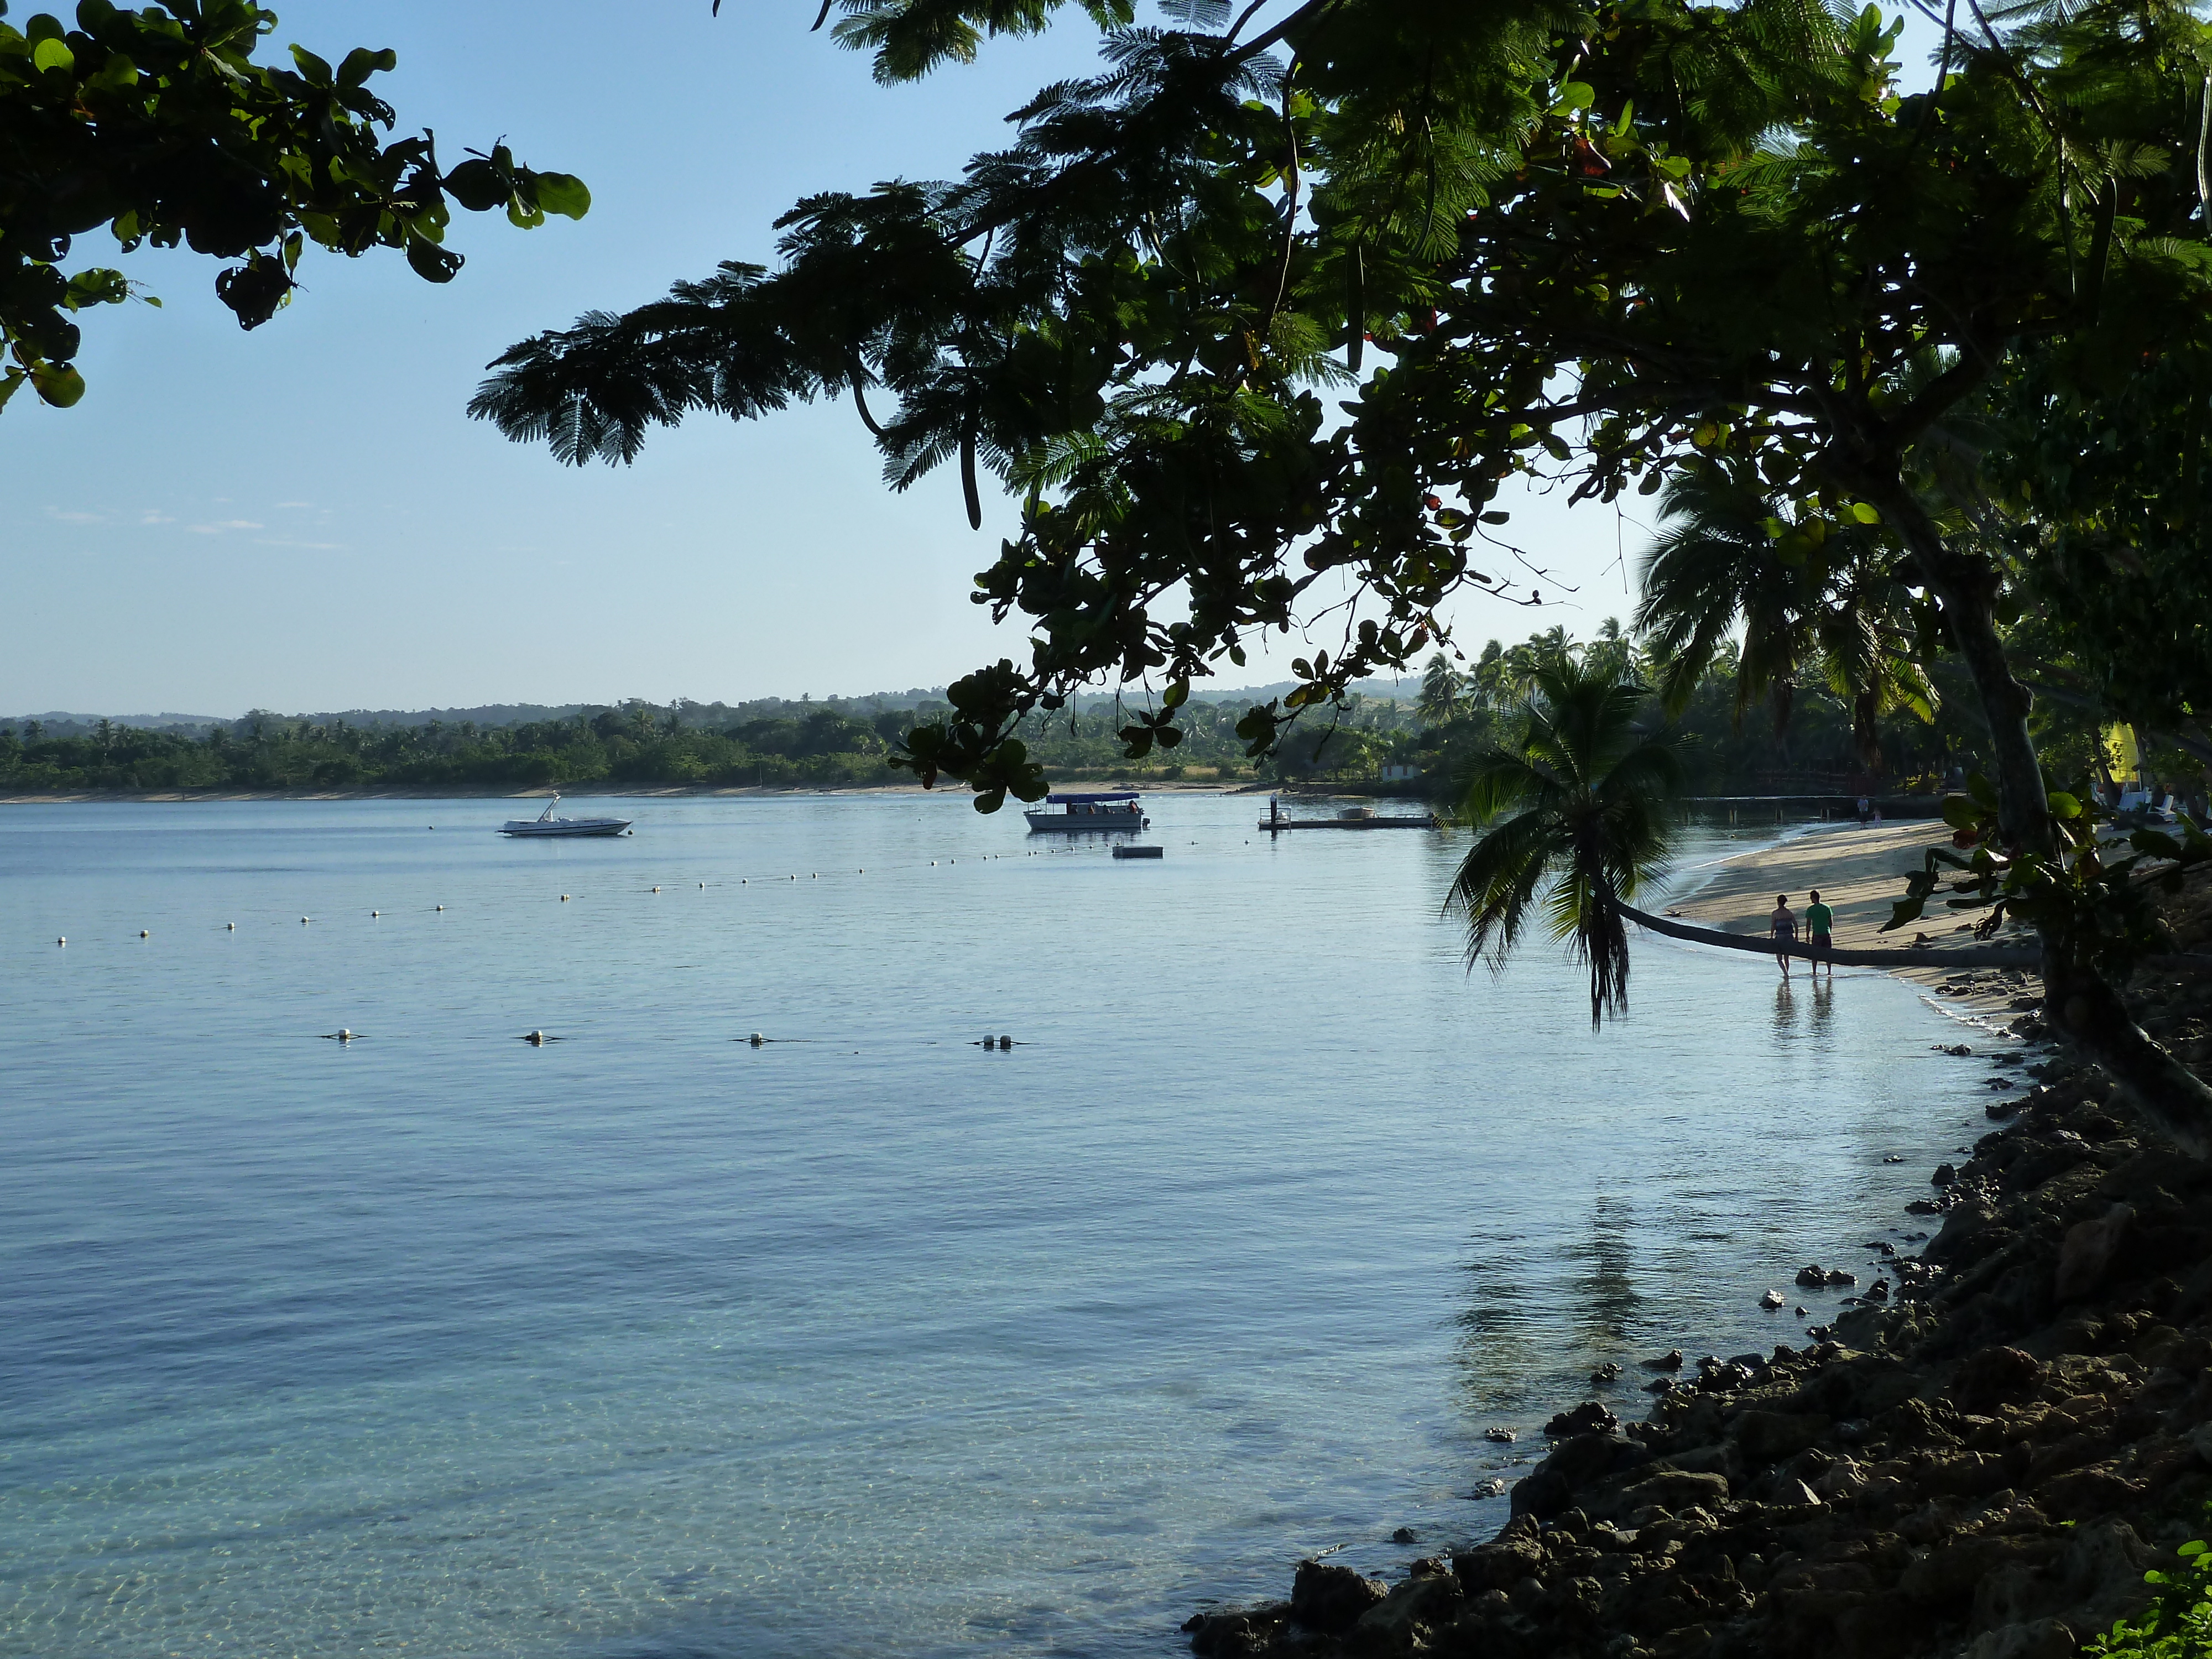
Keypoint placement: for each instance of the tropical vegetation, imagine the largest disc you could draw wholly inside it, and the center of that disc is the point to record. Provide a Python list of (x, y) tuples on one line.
[(158, 124)]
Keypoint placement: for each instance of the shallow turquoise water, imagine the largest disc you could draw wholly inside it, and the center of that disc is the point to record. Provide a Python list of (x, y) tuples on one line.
[(650, 1343)]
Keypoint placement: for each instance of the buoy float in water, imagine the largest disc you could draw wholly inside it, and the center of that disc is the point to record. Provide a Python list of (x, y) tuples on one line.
[(442, 907), (61, 941), (536, 1039), (303, 922), (564, 899), (142, 933), (656, 890), (756, 1039), (373, 914), (230, 926)]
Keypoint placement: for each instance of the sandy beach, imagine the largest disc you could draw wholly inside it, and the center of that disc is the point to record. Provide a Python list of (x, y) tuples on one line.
[(1859, 873)]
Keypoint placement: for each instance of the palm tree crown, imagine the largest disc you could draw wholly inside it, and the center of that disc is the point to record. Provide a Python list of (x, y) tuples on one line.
[(1574, 819)]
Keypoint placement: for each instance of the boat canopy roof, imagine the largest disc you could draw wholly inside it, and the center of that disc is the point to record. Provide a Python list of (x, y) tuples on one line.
[(1086, 800)]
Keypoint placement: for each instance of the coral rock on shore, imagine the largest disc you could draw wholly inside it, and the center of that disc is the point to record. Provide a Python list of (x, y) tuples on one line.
[(1981, 1469)]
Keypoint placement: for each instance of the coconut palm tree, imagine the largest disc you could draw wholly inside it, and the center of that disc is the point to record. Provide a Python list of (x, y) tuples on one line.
[(1816, 596), (1576, 824), (1443, 693)]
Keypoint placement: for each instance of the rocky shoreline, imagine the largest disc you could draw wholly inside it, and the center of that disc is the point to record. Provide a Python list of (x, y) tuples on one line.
[(1979, 1458)]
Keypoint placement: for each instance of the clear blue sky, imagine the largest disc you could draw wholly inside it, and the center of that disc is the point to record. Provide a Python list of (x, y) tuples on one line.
[(303, 518)]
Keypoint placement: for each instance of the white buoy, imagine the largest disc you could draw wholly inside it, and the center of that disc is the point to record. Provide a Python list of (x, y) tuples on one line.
[(756, 1039), (564, 899), (230, 926), (536, 1039), (702, 886), (142, 933), (61, 941), (374, 915), (344, 1035), (656, 890), (303, 922), (442, 907)]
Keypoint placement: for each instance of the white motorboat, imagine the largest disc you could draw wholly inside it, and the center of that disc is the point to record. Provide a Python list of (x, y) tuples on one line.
[(1081, 814), (546, 824)]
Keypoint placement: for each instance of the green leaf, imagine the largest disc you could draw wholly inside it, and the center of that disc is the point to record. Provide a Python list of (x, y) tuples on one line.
[(1576, 94), (1960, 812), (2063, 805), (563, 193), (432, 264), (1864, 514), (478, 185), (316, 72), (51, 54), (361, 63), (58, 384)]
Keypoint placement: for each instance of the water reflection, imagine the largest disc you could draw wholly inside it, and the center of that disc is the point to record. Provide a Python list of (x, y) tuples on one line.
[(1510, 1327), (1785, 1010), (1824, 1008)]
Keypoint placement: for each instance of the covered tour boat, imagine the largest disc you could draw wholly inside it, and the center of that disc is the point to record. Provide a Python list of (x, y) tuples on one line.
[(1081, 814)]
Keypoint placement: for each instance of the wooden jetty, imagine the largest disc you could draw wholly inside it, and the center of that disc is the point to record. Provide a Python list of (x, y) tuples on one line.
[(1356, 818)]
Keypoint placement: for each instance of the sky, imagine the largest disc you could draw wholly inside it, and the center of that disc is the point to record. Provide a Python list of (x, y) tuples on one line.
[(303, 518)]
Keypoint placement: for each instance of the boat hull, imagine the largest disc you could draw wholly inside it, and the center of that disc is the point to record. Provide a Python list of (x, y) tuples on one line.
[(1085, 824), (535, 830)]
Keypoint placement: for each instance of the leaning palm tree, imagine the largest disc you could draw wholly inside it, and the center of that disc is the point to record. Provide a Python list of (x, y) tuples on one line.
[(1575, 824)]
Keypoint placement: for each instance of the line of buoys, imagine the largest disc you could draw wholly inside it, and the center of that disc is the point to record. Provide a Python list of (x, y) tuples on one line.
[(989, 1041)]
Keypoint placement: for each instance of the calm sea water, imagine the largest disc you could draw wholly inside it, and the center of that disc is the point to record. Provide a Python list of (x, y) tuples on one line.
[(650, 1343)]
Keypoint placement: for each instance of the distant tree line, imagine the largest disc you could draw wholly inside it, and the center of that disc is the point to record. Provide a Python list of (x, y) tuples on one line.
[(1811, 739)]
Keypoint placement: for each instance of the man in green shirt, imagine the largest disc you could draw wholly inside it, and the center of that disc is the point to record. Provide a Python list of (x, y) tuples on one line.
[(1820, 922)]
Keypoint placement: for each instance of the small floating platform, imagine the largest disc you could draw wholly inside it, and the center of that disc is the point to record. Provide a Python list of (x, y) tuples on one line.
[(1126, 851), (1358, 818)]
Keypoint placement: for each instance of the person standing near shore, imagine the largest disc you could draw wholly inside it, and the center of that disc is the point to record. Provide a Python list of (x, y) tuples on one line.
[(1782, 928), (1820, 924)]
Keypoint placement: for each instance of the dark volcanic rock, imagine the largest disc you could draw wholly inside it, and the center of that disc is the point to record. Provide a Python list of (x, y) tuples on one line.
[(1330, 1599), (1588, 1418)]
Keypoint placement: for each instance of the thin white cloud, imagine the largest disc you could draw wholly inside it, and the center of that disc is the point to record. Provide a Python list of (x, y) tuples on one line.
[(295, 504), (311, 547), (221, 524), (67, 517), (155, 516)]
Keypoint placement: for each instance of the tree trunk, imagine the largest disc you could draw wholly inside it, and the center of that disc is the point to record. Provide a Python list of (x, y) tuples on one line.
[(1973, 956), (2088, 1012)]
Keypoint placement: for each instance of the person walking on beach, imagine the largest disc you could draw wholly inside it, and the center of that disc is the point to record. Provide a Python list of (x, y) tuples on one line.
[(1820, 924), (1782, 928)]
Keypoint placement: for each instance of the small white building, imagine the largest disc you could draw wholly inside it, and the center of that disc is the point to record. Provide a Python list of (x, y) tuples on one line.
[(1399, 774)]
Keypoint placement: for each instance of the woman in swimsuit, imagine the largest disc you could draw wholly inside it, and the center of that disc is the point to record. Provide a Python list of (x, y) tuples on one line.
[(1782, 928)]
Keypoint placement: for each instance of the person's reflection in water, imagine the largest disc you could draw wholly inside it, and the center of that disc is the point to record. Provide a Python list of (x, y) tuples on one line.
[(1785, 1010), (1824, 1006)]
